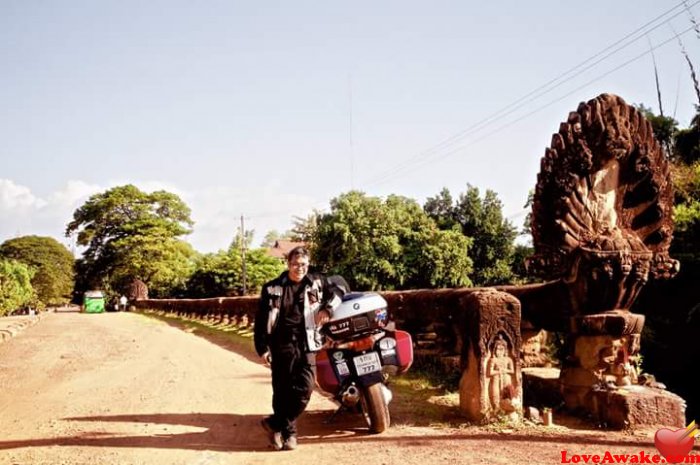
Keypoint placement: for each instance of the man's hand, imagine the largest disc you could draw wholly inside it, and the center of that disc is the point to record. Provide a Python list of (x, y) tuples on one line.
[(322, 317), (266, 358)]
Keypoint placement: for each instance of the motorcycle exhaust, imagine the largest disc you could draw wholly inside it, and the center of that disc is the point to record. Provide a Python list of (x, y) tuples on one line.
[(388, 396), (351, 396)]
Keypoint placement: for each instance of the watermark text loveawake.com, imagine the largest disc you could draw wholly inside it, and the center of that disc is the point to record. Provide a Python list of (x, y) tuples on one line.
[(675, 446), (641, 457)]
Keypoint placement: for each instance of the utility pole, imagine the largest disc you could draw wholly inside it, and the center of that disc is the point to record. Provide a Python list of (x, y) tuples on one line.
[(243, 253)]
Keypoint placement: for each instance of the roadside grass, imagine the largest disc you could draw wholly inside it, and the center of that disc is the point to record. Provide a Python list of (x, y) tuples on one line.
[(231, 337), (422, 400)]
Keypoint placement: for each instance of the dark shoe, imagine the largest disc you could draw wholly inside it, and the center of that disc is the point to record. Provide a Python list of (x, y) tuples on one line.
[(290, 443), (275, 437)]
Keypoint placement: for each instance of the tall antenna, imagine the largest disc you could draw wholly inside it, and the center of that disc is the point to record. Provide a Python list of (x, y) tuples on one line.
[(243, 254), (352, 152)]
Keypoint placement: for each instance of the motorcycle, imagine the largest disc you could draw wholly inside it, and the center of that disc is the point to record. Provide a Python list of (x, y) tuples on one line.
[(362, 350)]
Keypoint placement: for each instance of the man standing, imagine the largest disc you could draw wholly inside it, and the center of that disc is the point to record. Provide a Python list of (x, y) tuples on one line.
[(293, 307)]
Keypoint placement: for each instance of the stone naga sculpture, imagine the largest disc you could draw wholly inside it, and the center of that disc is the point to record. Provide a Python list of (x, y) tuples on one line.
[(602, 212), (602, 225)]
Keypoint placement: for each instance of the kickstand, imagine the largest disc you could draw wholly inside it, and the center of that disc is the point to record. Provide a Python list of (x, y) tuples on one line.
[(331, 418)]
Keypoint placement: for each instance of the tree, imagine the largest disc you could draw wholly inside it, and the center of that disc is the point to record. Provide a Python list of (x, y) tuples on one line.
[(220, 274), (441, 209), (687, 141), (273, 236), (388, 244), (215, 275), (481, 220), (664, 127), (129, 235), (304, 229), (261, 268), (520, 254), (686, 211), (52, 262), (15, 286)]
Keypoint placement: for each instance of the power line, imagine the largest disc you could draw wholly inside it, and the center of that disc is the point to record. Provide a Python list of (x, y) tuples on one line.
[(527, 115), (438, 150), (534, 94)]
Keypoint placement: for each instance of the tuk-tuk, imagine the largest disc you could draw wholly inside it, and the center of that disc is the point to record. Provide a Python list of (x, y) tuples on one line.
[(94, 302)]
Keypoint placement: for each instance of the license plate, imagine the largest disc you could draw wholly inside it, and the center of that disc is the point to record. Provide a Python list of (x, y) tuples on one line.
[(367, 363)]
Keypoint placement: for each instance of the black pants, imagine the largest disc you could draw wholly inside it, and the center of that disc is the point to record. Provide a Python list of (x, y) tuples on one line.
[(293, 380)]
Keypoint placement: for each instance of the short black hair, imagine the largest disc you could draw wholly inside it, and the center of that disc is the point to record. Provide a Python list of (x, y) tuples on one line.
[(298, 251)]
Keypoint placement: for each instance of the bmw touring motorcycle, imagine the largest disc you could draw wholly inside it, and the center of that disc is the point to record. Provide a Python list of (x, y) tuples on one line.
[(361, 352)]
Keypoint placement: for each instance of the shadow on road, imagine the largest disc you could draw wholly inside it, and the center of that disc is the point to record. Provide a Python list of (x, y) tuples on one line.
[(223, 432), (233, 432)]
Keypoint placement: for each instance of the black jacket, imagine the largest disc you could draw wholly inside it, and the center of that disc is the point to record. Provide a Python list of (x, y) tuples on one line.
[(319, 294)]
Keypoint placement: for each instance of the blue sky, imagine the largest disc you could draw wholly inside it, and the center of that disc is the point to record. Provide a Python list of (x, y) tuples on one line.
[(270, 109)]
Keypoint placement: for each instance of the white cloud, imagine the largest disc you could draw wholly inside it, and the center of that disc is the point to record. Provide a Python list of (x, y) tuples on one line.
[(73, 194), (23, 213), (16, 197), (217, 213), (216, 210)]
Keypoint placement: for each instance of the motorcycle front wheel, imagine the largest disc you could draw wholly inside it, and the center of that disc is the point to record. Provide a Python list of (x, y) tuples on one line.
[(375, 408)]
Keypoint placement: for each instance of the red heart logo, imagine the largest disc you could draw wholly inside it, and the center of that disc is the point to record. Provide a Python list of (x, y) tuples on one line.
[(672, 444)]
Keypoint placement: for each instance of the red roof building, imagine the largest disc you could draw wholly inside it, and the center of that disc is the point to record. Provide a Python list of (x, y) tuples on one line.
[(282, 248)]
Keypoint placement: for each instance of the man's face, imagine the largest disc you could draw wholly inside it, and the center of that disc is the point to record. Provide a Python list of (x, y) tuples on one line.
[(298, 266)]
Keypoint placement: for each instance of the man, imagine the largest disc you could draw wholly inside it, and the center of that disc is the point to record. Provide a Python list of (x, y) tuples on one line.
[(293, 307)]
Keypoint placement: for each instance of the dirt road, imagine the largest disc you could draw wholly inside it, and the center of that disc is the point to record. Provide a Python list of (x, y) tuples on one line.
[(122, 388)]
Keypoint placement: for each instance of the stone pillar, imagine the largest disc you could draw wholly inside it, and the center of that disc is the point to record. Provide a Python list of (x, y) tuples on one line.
[(491, 382), (602, 350), (600, 373)]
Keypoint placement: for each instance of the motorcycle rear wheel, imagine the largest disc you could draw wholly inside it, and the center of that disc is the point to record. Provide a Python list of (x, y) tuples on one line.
[(375, 409)]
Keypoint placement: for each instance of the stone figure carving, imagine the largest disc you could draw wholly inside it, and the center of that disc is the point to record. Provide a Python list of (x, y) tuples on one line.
[(491, 381), (500, 370)]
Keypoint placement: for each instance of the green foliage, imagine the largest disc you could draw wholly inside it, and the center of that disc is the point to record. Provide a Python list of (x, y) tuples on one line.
[(687, 142), (389, 244), (686, 182), (15, 286), (527, 222), (686, 212), (441, 209), (129, 235), (216, 275), (304, 229), (664, 127), (52, 263), (481, 220), (273, 236), (687, 216), (520, 253), (221, 275), (261, 268)]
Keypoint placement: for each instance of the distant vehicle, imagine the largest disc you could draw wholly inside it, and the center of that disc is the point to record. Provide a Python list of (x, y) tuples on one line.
[(94, 302)]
